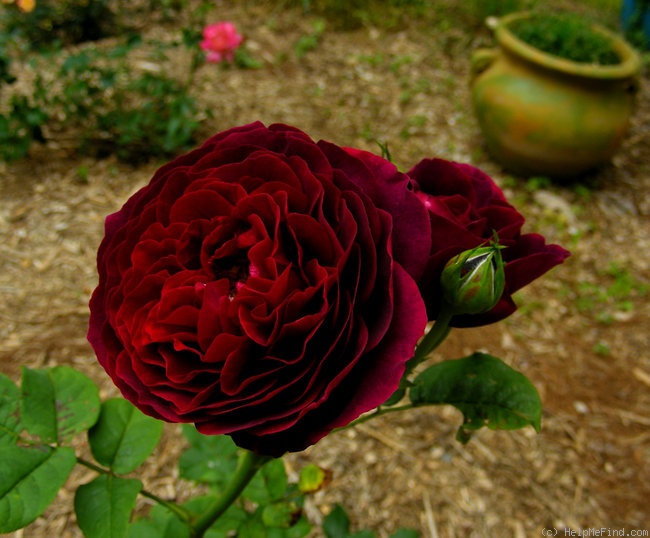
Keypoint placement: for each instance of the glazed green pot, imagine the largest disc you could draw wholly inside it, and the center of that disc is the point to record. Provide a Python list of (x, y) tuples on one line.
[(544, 115)]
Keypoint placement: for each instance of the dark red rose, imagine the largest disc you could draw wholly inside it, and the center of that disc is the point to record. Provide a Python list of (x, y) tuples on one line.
[(262, 286), (466, 208)]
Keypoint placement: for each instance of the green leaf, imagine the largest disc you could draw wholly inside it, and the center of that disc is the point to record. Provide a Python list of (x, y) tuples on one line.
[(227, 523), (405, 533), (10, 425), (30, 478), (281, 514), (281, 520), (486, 390), (211, 459), (77, 401), (313, 478), (337, 523), (226, 526), (244, 59), (58, 403), (144, 528), (300, 529), (38, 405), (104, 506), (147, 529), (253, 528), (269, 484), (163, 523), (123, 437)]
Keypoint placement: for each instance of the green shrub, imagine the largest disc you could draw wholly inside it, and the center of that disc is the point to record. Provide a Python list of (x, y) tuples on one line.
[(6, 77), (157, 118), (496, 8), (101, 104), (21, 120), (61, 21), (565, 35), (19, 127), (350, 14), (115, 109), (101, 99)]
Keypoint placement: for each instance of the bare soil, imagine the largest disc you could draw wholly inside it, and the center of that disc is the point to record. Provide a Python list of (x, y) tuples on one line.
[(581, 340)]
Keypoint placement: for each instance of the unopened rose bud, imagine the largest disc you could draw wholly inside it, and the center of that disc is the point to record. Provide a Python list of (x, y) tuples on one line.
[(473, 281)]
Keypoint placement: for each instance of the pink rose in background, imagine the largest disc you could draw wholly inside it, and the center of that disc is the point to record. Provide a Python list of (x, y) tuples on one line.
[(220, 40)]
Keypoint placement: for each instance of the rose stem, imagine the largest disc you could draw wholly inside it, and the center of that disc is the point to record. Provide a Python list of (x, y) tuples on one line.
[(171, 506), (248, 464), (431, 340), (376, 413)]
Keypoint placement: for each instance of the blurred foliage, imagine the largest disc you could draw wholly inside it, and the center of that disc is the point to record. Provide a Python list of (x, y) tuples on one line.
[(441, 15), (351, 14), (19, 127), (61, 21), (117, 97), (566, 35), (118, 110), (636, 22)]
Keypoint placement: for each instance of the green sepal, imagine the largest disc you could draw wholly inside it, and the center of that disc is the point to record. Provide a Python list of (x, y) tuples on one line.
[(396, 397)]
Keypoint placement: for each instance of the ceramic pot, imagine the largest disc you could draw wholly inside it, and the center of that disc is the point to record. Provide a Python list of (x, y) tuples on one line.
[(544, 115)]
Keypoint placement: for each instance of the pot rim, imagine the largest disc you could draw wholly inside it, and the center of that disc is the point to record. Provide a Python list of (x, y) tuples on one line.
[(629, 66)]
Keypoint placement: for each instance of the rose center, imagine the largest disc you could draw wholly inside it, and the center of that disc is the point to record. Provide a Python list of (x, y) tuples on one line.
[(233, 268)]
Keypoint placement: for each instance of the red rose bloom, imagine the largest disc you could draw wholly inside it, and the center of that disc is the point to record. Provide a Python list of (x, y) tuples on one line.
[(466, 208), (262, 286)]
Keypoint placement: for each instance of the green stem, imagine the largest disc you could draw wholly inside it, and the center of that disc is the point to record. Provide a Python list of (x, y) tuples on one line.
[(436, 335), (247, 466), (92, 466), (183, 514), (180, 512), (432, 339), (378, 412), (429, 342)]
